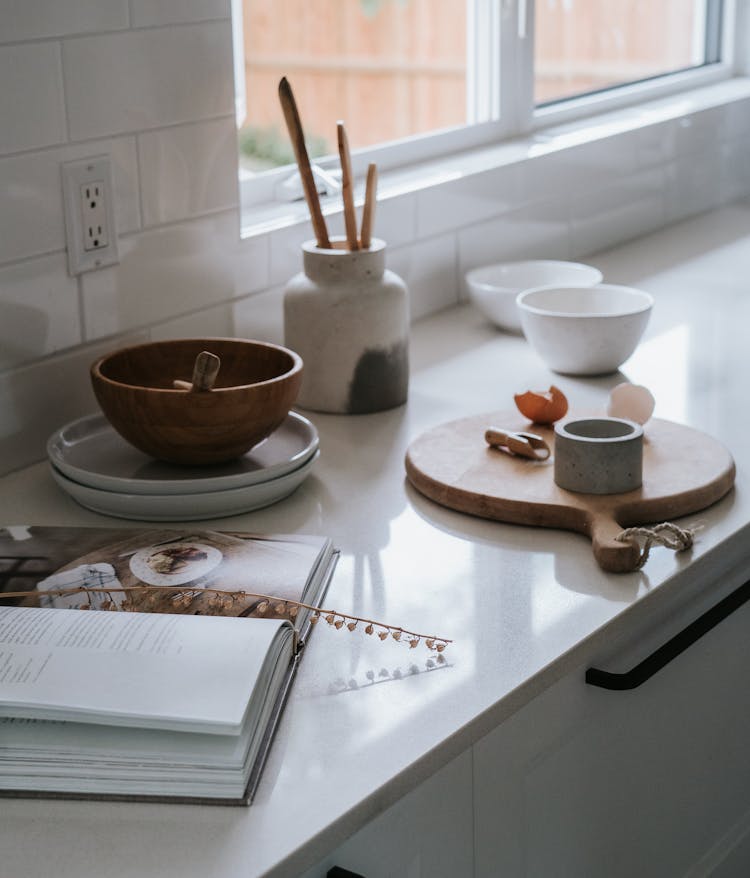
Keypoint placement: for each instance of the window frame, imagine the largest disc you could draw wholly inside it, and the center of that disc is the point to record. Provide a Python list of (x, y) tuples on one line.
[(503, 105)]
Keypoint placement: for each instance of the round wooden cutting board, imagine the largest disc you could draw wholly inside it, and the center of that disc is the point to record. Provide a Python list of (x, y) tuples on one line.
[(684, 471)]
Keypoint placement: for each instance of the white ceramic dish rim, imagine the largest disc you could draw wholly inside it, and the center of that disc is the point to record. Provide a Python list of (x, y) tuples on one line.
[(646, 302), (472, 275), (201, 483), (185, 507)]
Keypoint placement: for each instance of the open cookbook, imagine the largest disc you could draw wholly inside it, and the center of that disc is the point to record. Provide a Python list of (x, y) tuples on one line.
[(149, 664)]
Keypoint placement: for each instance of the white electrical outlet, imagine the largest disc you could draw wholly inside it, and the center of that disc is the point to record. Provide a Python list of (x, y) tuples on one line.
[(94, 216), (89, 214)]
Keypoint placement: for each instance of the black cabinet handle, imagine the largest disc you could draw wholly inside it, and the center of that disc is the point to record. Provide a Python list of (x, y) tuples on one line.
[(672, 648), (338, 872)]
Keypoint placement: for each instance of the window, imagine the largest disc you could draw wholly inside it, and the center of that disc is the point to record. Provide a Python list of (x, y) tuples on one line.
[(416, 78), (390, 69), (585, 46)]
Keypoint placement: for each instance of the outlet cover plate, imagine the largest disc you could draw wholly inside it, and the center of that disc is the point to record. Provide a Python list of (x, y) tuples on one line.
[(82, 256)]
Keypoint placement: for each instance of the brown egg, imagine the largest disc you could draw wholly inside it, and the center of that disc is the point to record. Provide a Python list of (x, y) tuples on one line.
[(542, 406)]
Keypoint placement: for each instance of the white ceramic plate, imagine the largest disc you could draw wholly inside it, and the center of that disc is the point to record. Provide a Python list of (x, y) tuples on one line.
[(185, 507), (91, 452)]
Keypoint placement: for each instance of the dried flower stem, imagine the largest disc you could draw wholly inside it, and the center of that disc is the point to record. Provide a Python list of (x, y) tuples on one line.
[(183, 598)]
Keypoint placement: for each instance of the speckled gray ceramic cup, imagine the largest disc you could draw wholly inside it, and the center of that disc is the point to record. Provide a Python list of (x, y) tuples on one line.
[(598, 455)]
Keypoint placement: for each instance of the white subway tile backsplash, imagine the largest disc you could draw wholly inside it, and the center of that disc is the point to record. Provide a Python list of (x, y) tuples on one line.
[(545, 177), (395, 220), (31, 97), (206, 322), (698, 132), (260, 316), (188, 170), (144, 79), (42, 397), (167, 272), (599, 162), (32, 217), (735, 171), (657, 144), (147, 13), (39, 311), (248, 260), (469, 199), (693, 184), (429, 270), (540, 230), (737, 116), (630, 207), (286, 248), (34, 19)]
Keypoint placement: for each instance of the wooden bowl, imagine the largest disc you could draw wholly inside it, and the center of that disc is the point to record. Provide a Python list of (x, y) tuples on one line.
[(257, 384)]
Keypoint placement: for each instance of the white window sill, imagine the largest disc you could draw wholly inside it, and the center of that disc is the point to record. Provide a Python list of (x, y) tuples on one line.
[(263, 219)]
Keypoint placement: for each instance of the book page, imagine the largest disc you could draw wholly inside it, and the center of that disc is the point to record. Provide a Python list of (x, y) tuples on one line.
[(149, 670), (112, 566)]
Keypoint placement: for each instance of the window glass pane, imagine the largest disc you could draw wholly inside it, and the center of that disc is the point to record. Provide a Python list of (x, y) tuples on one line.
[(583, 46), (388, 68)]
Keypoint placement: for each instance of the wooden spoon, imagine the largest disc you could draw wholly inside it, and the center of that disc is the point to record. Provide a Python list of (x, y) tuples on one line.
[(294, 125), (205, 370), (347, 189), (368, 212)]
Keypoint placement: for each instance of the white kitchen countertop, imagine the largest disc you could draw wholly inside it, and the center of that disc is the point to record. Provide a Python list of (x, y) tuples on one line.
[(367, 721)]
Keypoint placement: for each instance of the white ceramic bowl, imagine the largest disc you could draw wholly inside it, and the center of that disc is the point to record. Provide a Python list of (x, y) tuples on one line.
[(494, 288), (584, 330)]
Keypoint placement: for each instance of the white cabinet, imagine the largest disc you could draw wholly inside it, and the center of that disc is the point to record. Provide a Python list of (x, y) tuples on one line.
[(585, 782), (654, 781), (427, 834)]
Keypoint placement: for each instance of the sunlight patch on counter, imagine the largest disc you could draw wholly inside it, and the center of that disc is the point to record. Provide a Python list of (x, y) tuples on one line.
[(662, 363)]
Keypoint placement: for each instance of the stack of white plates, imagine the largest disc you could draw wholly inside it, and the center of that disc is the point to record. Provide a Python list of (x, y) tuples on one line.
[(101, 471)]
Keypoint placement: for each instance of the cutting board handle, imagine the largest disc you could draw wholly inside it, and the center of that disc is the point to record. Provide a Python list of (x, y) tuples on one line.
[(611, 554)]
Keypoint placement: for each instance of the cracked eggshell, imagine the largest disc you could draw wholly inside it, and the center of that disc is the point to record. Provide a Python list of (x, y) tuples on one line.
[(632, 402), (542, 406)]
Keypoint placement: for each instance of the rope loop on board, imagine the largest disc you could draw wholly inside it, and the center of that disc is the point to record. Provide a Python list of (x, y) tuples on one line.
[(666, 534)]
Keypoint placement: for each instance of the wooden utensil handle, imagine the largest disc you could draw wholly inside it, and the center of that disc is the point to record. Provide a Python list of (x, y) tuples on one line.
[(368, 211), (347, 187), (205, 370), (296, 135)]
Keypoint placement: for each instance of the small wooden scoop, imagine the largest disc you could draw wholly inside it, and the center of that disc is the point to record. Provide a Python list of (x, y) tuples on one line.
[(205, 370), (524, 444)]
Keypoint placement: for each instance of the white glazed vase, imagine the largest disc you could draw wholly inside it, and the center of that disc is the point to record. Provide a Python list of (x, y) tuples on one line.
[(347, 316)]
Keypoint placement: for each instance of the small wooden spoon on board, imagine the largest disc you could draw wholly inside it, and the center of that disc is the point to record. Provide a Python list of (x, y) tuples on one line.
[(294, 125)]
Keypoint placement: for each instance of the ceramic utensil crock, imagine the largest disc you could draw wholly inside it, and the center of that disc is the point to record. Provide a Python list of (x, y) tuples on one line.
[(347, 316)]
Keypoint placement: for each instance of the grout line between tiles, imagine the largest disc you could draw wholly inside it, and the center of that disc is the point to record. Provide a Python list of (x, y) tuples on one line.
[(22, 260), (113, 31), (63, 94), (19, 153)]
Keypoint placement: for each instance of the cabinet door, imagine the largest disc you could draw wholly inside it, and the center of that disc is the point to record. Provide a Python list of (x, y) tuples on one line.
[(649, 782), (427, 834)]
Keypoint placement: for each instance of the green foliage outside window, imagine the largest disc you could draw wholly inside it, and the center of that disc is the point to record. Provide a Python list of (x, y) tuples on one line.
[(268, 148)]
